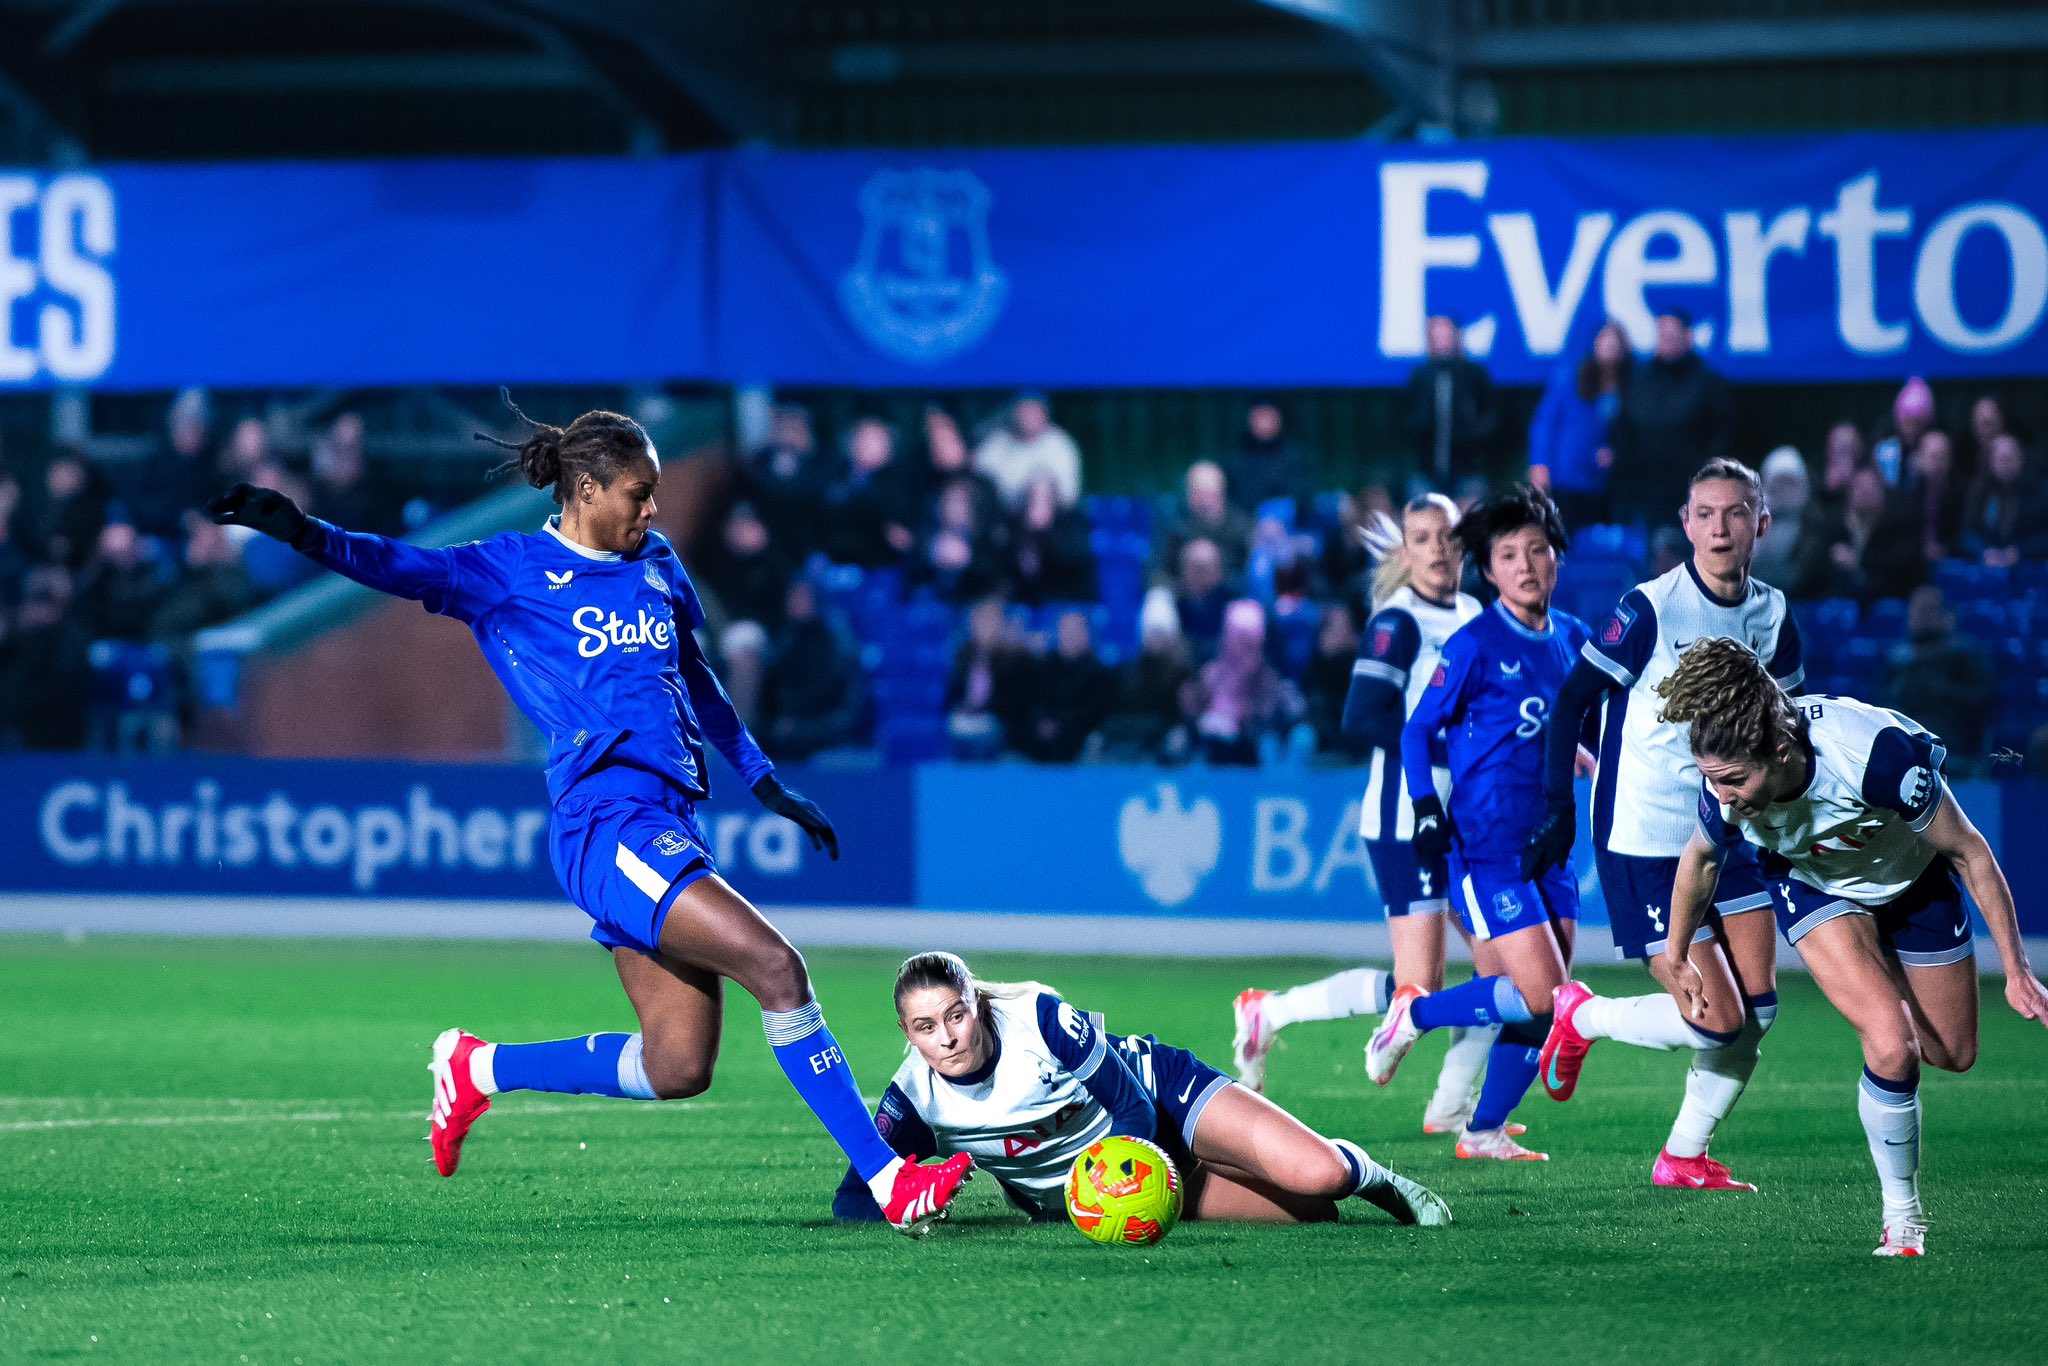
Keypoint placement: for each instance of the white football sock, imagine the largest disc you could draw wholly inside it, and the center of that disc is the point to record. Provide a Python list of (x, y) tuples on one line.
[(483, 1073), (1360, 991), (1457, 1084), (1713, 1084), (882, 1185), (1645, 1021), (1891, 1121), (1366, 1174)]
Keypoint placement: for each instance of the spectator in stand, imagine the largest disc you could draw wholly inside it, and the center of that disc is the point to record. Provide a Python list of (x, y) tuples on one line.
[(1242, 711), (1674, 418), (1266, 464), (960, 558), (1051, 559), (872, 512), (948, 458), (1070, 695), (121, 588), (178, 478), (342, 491), (1846, 454), (2007, 519), (49, 674), (813, 694), (62, 525), (247, 453), (1570, 451), (988, 692), (1205, 512), (1329, 681), (1944, 681), (1987, 424), (212, 588), (787, 481), (1935, 496), (1668, 550), (14, 563), (1145, 722), (1029, 443), (1912, 419), (1201, 593), (1344, 563), (746, 571), (1788, 497), (1449, 412), (1295, 620), (1871, 549)]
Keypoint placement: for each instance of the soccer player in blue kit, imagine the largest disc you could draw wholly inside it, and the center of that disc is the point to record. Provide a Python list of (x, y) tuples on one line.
[(1490, 699), (588, 623)]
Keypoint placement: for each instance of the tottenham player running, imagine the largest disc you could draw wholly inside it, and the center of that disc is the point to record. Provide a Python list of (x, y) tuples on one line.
[(1417, 607), (588, 624), (1850, 798), (1491, 697), (1644, 793), (1025, 1083)]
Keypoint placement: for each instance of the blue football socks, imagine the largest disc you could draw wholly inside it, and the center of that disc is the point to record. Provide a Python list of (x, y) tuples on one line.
[(1510, 1070), (1481, 1001), (811, 1059), (594, 1065)]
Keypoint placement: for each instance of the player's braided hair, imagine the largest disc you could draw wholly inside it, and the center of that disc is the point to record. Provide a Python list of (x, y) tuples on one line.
[(599, 444), (1735, 708)]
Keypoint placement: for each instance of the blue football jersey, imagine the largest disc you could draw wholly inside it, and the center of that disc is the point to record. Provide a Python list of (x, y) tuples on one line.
[(1491, 698), (595, 648)]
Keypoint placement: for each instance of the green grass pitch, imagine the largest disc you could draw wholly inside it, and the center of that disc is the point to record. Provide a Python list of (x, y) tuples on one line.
[(212, 1151)]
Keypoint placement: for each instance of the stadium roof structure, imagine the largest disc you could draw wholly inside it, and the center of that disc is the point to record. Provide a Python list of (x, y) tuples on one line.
[(228, 79)]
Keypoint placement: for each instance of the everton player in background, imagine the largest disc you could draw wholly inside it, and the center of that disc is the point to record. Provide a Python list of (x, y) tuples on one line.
[(1490, 700), (1644, 795), (588, 624), (1848, 798)]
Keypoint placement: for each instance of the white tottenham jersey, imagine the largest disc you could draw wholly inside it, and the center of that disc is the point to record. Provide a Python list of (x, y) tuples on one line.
[(1646, 784), (1855, 831), (1031, 1117), (1402, 645)]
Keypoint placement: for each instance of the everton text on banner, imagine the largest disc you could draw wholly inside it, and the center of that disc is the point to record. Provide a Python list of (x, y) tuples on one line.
[(1814, 258)]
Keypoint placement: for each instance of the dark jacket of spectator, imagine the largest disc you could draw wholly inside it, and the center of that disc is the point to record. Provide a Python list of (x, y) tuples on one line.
[(1450, 414), (61, 522), (1942, 680), (1328, 683), (813, 695), (1936, 496), (1070, 696), (181, 475), (46, 677), (120, 591), (744, 568), (212, 588), (1872, 547), (1674, 418), (1144, 722), (787, 480), (2007, 514), (1050, 555), (1204, 511), (988, 692), (960, 557), (1266, 464)]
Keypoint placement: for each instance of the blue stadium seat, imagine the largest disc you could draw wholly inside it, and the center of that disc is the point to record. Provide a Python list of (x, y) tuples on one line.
[(1834, 617), (1886, 619), (1985, 618)]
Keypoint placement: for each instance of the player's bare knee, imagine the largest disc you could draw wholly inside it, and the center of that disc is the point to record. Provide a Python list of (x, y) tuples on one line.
[(1890, 1051), (1328, 1174), (781, 981), (675, 1071), (1724, 1016), (1959, 1056)]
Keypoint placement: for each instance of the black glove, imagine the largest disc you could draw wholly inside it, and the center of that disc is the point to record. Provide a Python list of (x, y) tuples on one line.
[(1432, 844), (266, 510), (1550, 843), (801, 809)]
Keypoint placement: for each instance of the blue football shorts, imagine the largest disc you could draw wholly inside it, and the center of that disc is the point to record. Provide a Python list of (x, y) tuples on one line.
[(1925, 926), (1181, 1086), (623, 860), (1405, 885), (1637, 891), (1493, 899)]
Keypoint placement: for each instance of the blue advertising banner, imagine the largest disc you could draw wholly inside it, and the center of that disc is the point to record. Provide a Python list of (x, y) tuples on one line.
[(262, 828), (1820, 258)]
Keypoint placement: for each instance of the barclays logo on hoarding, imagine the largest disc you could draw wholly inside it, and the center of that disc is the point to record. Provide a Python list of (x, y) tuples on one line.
[(1171, 848), (925, 286)]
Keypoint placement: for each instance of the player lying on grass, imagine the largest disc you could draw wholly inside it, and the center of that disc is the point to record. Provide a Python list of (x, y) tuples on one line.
[(1416, 608), (1645, 794), (1489, 699), (1024, 1083), (1849, 799), (588, 624)]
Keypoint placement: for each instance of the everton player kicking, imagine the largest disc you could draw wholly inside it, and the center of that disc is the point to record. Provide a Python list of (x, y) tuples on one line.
[(1490, 700), (588, 623), (1850, 799), (1644, 795), (1416, 609), (1024, 1082)]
